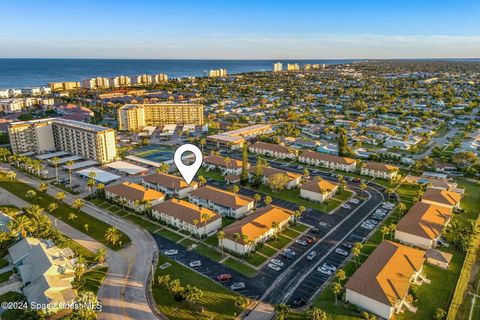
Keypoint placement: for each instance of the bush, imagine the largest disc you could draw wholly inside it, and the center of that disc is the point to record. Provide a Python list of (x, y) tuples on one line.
[(3, 263)]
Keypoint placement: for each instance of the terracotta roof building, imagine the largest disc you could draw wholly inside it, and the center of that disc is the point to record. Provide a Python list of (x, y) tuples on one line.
[(273, 150), (445, 198), (136, 196), (188, 216), (169, 184), (379, 170), (318, 190), (328, 161), (223, 202), (232, 167), (381, 283), (423, 224), (257, 227)]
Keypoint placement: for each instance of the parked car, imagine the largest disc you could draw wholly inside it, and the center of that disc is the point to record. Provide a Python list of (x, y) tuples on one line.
[(354, 201), (324, 271), (277, 262), (170, 252), (346, 206), (314, 231), (301, 242), (347, 245), (307, 239), (196, 263), (341, 252), (290, 251), (237, 286), (330, 267), (287, 256), (297, 303), (311, 255), (224, 277), (274, 267)]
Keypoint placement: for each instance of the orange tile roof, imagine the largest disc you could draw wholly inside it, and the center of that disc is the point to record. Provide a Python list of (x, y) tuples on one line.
[(220, 161), (186, 211), (222, 197), (319, 185), (258, 223), (380, 167), (273, 147), (385, 275), (442, 196), (327, 157), (167, 180), (268, 171), (133, 191), (425, 220)]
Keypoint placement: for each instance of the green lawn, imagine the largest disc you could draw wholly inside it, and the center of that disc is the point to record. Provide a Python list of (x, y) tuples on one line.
[(13, 314), (4, 276), (299, 227), (187, 242), (93, 279), (407, 191), (343, 195), (144, 223), (208, 252), (3, 263), (280, 242), (266, 250), (170, 235), (291, 233), (217, 302), (240, 267), (97, 228), (227, 221), (256, 259), (210, 174)]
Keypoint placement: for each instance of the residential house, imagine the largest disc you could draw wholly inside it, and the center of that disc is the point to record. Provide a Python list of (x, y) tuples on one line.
[(444, 198), (318, 190), (169, 184), (257, 227), (188, 216), (382, 282), (221, 201), (273, 150), (328, 161), (423, 224), (134, 195), (379, 170), (438, 258)]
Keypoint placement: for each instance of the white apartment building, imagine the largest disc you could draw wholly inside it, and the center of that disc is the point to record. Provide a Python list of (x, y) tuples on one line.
[(119, 81), (217, 73), (95, 83), (78, 138), (328, 161), (277, 67)]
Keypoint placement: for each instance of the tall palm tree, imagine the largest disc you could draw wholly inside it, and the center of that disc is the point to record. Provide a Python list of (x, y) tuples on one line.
[(69, 167), (60, 196), (100, 255), (78, 203), (52, 207), (220, 237), (336, 289), (281, 311), (112, 235), (236, 236), (22, 225), (11, 175), (55, 162), (205, 217), (43, 187)]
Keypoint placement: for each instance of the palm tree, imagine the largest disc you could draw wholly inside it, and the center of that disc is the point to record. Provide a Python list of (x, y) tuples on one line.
[(87, 298), (236, 236), (205, 217), (55, 161), (203, 142), (90, 185), (384, 230), (69, 167), (202, 180), (257, 198), (356, 250), (60, 196), (235, 189), (402, 208), (72, 216), (4, 152), (112, 235), (340, 275), (78, 203), (220, 237), (163, 168), (100, 255), (31, 194), (86, 226), (11, 175), (22, 225), (281, 311), (336, 289), (363, 186), (101, 190), (195, 223), (275, 229), (52, 207), (43, 187), (317, 314), (267, 200), (392, 228), (245, 241)]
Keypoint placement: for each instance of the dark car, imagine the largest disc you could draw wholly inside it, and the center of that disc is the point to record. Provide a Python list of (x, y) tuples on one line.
[(308, 239), (287, 256), (347, 245), (297, 303), (314, 231)]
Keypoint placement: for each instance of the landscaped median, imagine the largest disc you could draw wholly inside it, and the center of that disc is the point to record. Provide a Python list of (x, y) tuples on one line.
[(212, 302), (83, 222)]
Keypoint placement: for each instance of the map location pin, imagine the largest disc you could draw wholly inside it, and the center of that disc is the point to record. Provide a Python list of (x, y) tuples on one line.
[(188, 172)]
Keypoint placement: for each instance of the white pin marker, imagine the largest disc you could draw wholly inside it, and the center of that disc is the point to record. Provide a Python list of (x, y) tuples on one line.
[(188, 172)]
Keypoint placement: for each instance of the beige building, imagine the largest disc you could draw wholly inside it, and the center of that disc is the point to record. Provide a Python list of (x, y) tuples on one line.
[(119, 81), (188, 216), (64, 86), (328, 161), (318, 190), (379, 170), (273, 150), (134, 117), (382, 282), (78, 138), (217, 73), (95, 83), (169, 184), (235, 139), (277, 67), (226, 166), (422, 225), (135, 196)]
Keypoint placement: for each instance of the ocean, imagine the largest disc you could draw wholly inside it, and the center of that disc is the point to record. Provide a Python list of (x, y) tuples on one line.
[(24, 73)]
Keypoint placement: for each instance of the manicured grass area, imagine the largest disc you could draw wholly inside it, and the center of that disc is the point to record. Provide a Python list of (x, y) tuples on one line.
[(208, 252), (150, 226), (266, 250), (256, 259), (331, 204), (187, 242), (291, 233), (227, 221), (212, 240), (97, 228), (210, 174), (343, 195), (113, 208), (407, 191), (471, 199), (170, 235), (280, 242), (93, 279), (4, 276), (299, 227), (240, 267), (81, 250), (65, 188), (217, 302), (3, 263)]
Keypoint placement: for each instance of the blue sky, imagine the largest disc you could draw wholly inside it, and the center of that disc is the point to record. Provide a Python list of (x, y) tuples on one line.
[(240, 29)]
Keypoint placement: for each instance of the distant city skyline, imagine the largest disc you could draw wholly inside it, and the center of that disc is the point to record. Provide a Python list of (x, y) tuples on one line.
[(241, 30)]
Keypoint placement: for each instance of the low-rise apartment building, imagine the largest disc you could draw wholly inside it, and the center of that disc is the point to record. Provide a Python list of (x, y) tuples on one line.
[(379, 170), (422, 225), (328, 161), (443, 198), (273, 150), (134, 196), (382, 282), (223, 202), (257, 227), (169, 184), (225, 165), (188, 216), (292, 179), (234, 139), (318, 190), (79, 138)]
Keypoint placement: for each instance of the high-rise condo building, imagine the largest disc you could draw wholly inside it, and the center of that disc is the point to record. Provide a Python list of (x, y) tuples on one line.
[(277, 67), (119, 81), (95, 83), (134, 117), (64, 86), (78, 138), (293, 67), (217, 73)]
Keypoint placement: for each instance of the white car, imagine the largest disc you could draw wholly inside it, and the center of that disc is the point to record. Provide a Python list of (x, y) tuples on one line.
[(277, 262), (311, 255), (341, 252), (290, 251), (196, 263), (354, 201), (329, 267), (301, 242), (324, 271), (170, 252), (346, 206), (237, 286), (274, 267)]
